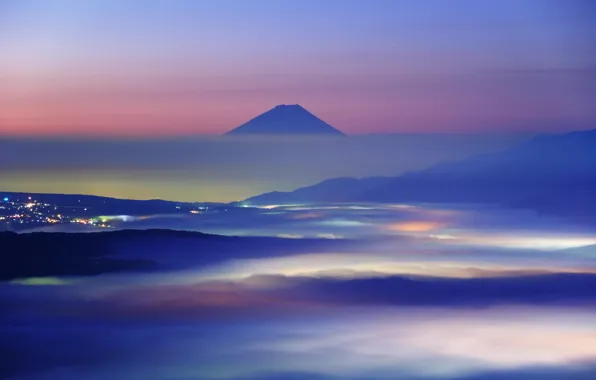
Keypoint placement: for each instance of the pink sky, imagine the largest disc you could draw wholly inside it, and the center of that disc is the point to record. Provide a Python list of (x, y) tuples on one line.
[(152, 106), (182, 68)]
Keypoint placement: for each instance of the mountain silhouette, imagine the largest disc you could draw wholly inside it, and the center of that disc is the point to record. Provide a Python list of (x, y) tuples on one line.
[(554, 174), (286, 120)]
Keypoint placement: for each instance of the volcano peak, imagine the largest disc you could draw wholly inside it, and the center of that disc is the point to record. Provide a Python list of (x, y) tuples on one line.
[(286, 119)]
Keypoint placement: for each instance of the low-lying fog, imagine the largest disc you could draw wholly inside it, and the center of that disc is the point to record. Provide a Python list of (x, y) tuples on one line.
[(351, 292)]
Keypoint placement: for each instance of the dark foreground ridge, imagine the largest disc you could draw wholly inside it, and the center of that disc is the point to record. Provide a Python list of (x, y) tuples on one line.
[(77, 254), (43, 254), (286, 120)]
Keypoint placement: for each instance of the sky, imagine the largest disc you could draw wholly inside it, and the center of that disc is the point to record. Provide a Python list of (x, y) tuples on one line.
[(123, 98), (124, 68), (222, 169)]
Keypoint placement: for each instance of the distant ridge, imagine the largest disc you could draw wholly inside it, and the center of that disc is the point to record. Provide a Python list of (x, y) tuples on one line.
[(552, 174), (286, 120)]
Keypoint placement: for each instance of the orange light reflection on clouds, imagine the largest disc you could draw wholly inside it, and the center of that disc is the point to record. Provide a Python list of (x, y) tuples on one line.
[(415, 226)]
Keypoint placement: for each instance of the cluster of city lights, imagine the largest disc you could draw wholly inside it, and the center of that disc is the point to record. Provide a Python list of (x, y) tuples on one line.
[(19, 212), (28, 212)]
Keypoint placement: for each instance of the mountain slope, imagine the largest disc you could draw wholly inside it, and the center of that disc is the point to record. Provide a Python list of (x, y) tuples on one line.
[(43, 254), (286, 120), (554, 173), (332, 190)]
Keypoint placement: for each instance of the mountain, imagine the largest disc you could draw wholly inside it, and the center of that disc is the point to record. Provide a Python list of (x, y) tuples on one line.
[(41, 254), (286, 120), (550, 173), (344, 189)]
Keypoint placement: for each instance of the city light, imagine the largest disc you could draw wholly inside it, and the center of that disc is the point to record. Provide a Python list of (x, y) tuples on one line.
[(21, 214), (29, 213)]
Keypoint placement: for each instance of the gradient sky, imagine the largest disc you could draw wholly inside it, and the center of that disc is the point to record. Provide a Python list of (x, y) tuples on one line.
[(179, 67), (222, 169)]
